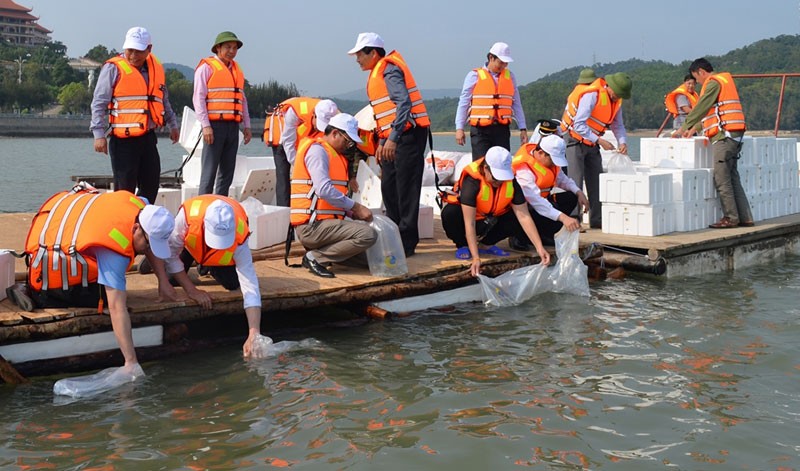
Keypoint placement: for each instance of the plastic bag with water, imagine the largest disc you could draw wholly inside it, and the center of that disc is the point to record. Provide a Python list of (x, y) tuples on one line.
[(253, 207), (91, 385), (387, 257), (263, 347), (569, 275), (621, 163)]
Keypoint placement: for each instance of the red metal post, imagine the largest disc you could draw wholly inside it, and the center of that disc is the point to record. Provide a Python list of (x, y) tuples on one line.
[(780, 105)]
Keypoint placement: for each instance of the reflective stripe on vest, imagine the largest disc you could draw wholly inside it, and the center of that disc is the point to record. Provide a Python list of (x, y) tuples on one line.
[(225, 97), (490, 201), (306, 205), (726, 115), (135, 102), (491, 102), (383, 108), (194, 211), (544, 178), (671, 100), (602, 115)]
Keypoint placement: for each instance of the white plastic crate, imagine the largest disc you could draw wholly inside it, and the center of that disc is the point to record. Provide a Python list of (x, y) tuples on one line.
[(169, 198), (676, 153), (639, 220), (269, 228), (425, 222), (690, 184), (6, 272), (639, 188)]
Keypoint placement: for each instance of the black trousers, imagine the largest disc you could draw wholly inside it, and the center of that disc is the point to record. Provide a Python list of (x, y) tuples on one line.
[(490, 231), (484, 137), (564, 202), (282, 176), (135, 163), (401, 184)]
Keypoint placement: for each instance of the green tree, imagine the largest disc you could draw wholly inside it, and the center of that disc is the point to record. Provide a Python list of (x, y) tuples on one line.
[(180, 90), (265, 96), (100, 53), (75, 98)]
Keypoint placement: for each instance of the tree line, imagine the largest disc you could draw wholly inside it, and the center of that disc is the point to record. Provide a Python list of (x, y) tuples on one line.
[(47, 78)]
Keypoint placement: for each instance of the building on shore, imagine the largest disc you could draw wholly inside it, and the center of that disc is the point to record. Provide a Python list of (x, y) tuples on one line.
[(19, 28)]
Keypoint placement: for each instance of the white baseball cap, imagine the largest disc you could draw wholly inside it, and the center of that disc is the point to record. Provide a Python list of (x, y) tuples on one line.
[(502, 51), (158, 224), (499, 161), (137, 38), (555, 146), (347, 123), (324, 111), (366, 40), (219, 225)]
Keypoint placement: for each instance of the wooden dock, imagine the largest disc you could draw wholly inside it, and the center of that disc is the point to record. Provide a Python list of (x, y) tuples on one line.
[(293, 296)]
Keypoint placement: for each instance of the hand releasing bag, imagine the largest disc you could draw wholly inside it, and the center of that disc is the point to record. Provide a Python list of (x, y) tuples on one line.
[(621, 163), (91, 385)]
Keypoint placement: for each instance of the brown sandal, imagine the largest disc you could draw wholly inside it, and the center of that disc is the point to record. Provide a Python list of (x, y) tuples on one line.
[(724, 223)]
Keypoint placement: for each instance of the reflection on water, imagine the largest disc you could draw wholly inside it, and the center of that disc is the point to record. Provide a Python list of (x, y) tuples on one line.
[(699, 373)]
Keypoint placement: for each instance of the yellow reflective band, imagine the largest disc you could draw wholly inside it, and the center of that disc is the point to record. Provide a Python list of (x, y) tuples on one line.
[(377, 68), (137, 202), (226, 258), (240, 227), (302, 129), (194, 211), (304, 107), (539, 168), (507, 73), (125, 67), (482, 74), (720, 77), (604, 99), (510, 189), (216, 64), (119, 238), (191, 241), (485, 193)]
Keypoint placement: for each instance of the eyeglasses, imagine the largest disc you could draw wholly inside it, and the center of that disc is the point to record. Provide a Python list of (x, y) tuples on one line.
[(349, 143)]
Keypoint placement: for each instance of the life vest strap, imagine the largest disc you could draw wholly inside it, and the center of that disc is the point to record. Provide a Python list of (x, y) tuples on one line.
[(379, 101), (224, 100), (128, 111), (225, 89)]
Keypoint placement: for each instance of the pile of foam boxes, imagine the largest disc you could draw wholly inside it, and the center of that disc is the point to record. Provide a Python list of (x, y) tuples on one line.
[(673, 187)]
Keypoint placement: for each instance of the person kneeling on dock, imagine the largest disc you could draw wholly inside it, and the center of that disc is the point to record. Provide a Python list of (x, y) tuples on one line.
[(213, 230), (320, 203), (81, 244), (537, 168), (489, 204)]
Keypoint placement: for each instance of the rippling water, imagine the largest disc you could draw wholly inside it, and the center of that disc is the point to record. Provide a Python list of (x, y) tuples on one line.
[(698, 373)]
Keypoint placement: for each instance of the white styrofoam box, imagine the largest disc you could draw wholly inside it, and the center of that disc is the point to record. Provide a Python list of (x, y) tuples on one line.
[(690, 184), (793, 201), (750, 177), (259, 184), (369, 187), (269, 228), (786, 149), (639, 188), (189, 191), (676, 153), (713, 210), (640, 220), (792, 170), (428, 196), (691, 216), (193, 169), (782, 203), (191, 130), (605, 155), (747, 153), (465, 160), (798, 152), (765, 150), (771, 205), (169, 198), (769, 178), (425, 222), (6, 272), (756, 206)]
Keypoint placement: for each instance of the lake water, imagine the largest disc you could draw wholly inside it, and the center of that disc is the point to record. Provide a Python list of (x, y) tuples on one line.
[(694, 373)]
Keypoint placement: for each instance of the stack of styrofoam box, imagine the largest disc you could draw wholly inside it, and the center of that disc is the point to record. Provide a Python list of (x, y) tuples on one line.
[(637, 204), (169, 198), (6, 272), (769, 173), (193, 169), (269, 228)]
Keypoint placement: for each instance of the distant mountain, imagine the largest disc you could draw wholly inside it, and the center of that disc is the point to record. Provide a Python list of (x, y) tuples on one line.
[(429, 94), (187, 71)]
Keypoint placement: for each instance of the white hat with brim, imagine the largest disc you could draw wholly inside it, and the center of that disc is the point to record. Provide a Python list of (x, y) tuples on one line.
[(499, 161), (366, 40), (556, 148), (137, 38), (158, 224), (502, 51), (348, 124), (324, 111), (219, 225)]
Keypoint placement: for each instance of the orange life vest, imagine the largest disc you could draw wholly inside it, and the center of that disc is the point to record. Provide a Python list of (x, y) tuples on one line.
[(134, 101), (602, 115), (194, 209), (671, 99), (304, 109), (726, 114), (383, 107), (68, 225), (306, 205), (491, 201), (491, 102), (544, 177), (225, 100)]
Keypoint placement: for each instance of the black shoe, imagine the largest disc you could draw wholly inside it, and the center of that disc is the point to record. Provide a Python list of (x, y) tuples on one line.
[(316, 268), (409, 252), (516, 244), (18, 292)]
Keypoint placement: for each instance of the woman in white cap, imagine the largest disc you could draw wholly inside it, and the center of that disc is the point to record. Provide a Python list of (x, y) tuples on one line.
[(489, 207), (489, 100)]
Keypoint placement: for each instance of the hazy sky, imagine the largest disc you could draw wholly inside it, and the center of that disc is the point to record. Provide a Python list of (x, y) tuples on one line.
[(305, 42)]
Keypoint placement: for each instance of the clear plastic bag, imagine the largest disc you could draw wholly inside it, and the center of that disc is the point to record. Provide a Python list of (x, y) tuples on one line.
[(94, 384), (263, 347), (387, 256), (569, 275), (621, 163), (253, 207)]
